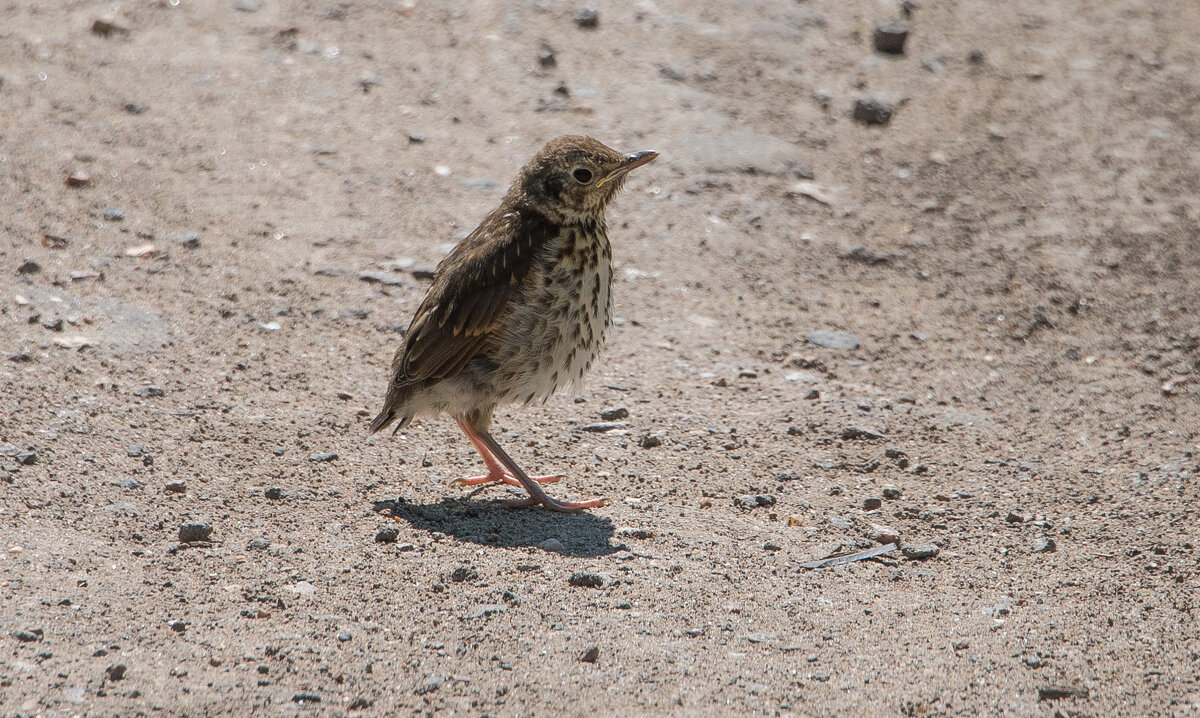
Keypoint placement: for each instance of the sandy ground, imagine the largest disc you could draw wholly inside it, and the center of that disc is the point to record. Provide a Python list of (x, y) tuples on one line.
[(198, 333)]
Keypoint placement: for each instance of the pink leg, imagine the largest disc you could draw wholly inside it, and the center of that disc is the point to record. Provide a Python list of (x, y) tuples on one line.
[(496, 473), (487, 446)]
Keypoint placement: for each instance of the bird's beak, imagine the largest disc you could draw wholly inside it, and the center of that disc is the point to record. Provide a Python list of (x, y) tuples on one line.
[(631, 161)]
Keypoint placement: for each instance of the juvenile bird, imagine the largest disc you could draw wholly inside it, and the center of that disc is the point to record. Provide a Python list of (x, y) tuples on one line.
[(518, 309)]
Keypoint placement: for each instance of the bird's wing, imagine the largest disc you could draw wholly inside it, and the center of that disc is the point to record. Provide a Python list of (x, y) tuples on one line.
[(470, 293)]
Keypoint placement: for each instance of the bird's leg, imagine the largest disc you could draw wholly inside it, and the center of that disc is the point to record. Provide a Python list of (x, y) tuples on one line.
[(487, 445), (496, 473)]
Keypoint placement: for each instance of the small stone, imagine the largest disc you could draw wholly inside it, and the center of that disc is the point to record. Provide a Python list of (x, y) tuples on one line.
[(26, 458), (128, 483), (135, 108), (114, 214), (28, 636), (384, 278), (587, 18), (546, 59), (306, 698), (891, 492), (276, 493), (604, 427), (135, 450), (326, 456), (672, 73), (771, 546), (812, 395), (960, 645), (195, 531), (463, 573), (259, 544), (832, 340), (582, 579), (760, 638), (883, 534), (650, 441), (79, 178), (590, 655), (872, 503), (370, 81), (890, 37), (975, 57), (344, 636), (191, 240), (1014, 518), (29, 267), (177, 626), (1058, 692), (919, 551), (20, 357), (487, 610), (854, 433), (1033, 661), (175, 487), (1045, 545), (108, 28), (551, 544), (871, 112), (149, 392), (388, 534), (753, 501), (247, 5), (117, 672), (618, 412), (634, 533)]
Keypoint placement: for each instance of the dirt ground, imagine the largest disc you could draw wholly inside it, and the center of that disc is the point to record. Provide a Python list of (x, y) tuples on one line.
[(198, 333)]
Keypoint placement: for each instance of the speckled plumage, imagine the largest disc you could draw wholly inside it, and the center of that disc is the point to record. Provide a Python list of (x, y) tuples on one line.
[(520, 307)]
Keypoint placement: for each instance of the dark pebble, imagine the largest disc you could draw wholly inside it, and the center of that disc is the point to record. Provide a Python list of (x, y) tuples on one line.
[(588, 18), (1045, 545), (108, 28), (893, 453), (344, 636), (618, 412), (871, 112), (854, 433), (387, 280), (463, 573), (672, 73), (259, 544), (415, 138), (135, 450), (28, 636), (650, 441), (191, 240), (135, 108), (892, 492), (117, 672), (975, 57), (605, 426), (812, 395), (177, 626), (175, 487), (772, 546), (546, 59), (582, 579), (26, 458), (275, 493), (130, 484), (29, 267), (423, 272), (306, 698), (327, 456), (590, 655), (195, 531), (387, 535), (890, 37), (149, 391), (20, 357), (753, 501), (1058, 692), (1014, 518), (872, 503), (918, 551), (360, 703), (114, 214)]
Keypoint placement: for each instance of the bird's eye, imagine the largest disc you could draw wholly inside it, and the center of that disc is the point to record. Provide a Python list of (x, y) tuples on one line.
[(582, 175)]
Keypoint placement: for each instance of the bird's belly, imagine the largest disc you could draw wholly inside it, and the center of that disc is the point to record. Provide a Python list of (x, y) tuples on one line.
[(560, 333)]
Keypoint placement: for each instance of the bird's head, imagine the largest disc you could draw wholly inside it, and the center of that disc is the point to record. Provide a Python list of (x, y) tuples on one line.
[(574, 178)]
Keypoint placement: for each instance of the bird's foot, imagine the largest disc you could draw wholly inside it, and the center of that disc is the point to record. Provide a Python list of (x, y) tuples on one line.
[(503, 477), (566, 507)]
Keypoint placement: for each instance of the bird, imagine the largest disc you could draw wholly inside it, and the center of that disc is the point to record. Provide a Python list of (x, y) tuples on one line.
[(518, 309)]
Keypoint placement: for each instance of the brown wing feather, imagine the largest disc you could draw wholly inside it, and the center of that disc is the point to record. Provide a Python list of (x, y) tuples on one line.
[(470, 294)]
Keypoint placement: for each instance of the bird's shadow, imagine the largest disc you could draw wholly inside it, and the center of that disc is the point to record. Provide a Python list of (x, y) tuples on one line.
[(583, 535)]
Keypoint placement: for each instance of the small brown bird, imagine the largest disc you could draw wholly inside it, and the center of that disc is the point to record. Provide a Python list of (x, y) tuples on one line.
[(518, 309)]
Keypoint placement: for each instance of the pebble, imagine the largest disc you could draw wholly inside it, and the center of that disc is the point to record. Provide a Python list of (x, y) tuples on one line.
[(583, 579), (29, 267), (130, 484), (175, 487), (429, 685), (259, 544), (649, 441), (890, 37), (486, 610), (79, 178), (463, 573), (615, 413), (177, 626), (551, 544), (672, 73), (892, 492), (587, 18), (1033, 661), (604, 427), (148, 392), (590, 655), (275, 493), (918, 551), (247, 5), (28, 636), (871, 112), (883, 534), (1045, 545), (854, 433), (771, 546), (546, 59), (838, 522), (388, 534), (344, 636), (1014, 518), (872, 503), (760, 638), (26, 458), (135, 108), (634, 533), (753, 501), (1058, 691), (114, 214), (117, 672), (306, 698), (832, 340), (191, 240), (326, 456), (195, 531)]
